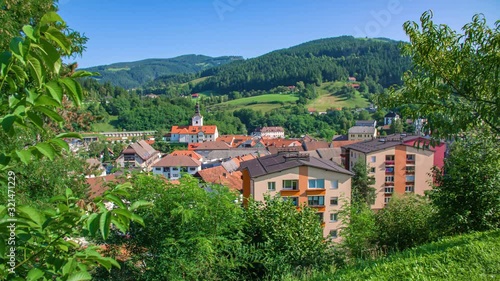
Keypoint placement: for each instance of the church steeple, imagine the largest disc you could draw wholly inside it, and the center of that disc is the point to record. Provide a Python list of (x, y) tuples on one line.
[(197, 119)]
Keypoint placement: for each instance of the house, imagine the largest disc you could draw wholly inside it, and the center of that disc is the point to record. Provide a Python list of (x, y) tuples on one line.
[(189, 153), (366, 123), (396, 163), (98, 185), (390, 117), (219, 175), (303, 179), (197, 132), (362, 133), (171, 166), (94, 168), (195, 95), (269, 132), (139, 154), (352, 79)]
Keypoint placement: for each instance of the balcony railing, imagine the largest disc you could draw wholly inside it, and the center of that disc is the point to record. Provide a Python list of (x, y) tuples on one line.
[(389, 162), (410, 162)]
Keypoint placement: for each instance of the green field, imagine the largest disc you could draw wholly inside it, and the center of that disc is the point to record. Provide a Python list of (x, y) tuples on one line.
[(328, 100), (105, 127), (466, 257), (111, 69), (263, 103)]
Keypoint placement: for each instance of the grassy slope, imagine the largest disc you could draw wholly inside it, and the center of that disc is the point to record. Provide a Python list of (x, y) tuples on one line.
[(328, 100), (467, 257), (263, 102)]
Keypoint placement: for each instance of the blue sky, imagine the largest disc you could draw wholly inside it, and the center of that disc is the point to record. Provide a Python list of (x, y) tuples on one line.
[(125, 30)]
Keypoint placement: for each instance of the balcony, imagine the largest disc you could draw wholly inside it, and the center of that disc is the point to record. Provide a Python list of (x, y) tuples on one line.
[(389, 183), (410, 162), (389, 162)]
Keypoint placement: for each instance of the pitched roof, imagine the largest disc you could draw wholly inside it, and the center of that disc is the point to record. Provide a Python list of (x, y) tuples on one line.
[(281, 142), (391, 115), (313, 145), (193, 130), (365, 123), (284, 161), (362, 130), (235, 152), (270, 129), (98, 185), (142, 149), (177, 161), (213, 145), (219, 175), (189, 153), (380, 144), (343, 143)]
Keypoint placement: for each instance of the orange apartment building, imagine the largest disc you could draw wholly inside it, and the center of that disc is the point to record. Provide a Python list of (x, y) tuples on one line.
[(306, 180), (397, 165)]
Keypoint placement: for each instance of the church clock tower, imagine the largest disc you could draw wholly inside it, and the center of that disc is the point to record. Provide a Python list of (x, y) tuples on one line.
[(197, 119)]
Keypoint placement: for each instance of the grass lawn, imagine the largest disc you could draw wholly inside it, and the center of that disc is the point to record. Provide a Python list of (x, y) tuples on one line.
[(328, 100), (105, 127), (263, 103)]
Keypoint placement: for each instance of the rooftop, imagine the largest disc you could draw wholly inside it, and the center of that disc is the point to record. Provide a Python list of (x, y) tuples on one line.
[(177, 161), (381, 143), (362, 130)]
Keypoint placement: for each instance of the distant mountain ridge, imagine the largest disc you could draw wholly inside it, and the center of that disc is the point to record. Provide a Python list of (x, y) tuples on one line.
[(135, 74)]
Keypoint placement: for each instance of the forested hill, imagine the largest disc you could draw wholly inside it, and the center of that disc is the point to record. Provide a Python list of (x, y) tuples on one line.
[(317, 61), (135, 74)]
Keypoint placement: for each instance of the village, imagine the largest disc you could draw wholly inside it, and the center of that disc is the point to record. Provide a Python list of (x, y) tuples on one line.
[(307, 171)]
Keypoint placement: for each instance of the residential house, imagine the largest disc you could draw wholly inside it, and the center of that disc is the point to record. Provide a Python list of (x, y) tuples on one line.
[(303, 179), (396, 163), (219, 175), (362, 133), (197, 132), (189, 153), (139, 154), (366, 123), (94, 168), (269, 132), (172, 166), (390, 117)]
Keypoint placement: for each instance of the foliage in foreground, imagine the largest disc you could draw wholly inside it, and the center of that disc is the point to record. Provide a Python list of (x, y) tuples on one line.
[(467, 257)]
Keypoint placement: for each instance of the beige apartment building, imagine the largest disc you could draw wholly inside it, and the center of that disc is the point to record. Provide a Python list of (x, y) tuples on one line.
[(303, 179), (398, 167)]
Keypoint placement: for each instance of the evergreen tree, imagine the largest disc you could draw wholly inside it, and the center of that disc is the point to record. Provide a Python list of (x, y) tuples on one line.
[(362, 190)]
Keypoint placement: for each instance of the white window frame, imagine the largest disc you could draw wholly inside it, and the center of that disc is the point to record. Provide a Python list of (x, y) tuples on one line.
[(336, 198), (271, 186), (334, 217)]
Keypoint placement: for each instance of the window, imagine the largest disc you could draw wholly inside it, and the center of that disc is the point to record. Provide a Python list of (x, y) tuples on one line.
[(410, 157), (410, 169), (409, 188), (158, 169), (389, 158), (410, 178), (335, 184), (387, 199), (351, 153), (389, 169), (389, 189), (334, 201), (175, 168), (333, 217), (291, 184), (372, 170), (192, 169), (294, 200), (318, 183), (316, 200), (389, 178), (175, 175), (320, 217), (333, 233), (271, 186), (374, 159)]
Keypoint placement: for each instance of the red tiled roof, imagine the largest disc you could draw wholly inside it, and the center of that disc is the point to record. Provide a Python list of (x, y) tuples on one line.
[(193, 130), (213, 145), (98, 185), (280, 142), (219, 175), (343, 143), (189, 153), (177, 161)]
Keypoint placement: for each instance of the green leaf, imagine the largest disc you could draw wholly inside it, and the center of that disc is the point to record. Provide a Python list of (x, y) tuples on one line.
[(8, 121), (69, 266), (55, 90), (35, 67), (114, 199), (69, 193), (137, 219), (16, 47), (104, 223), (31, 213), (139, 204), (51, 17), (51, 55), (61, 143), (20, 73), (34, 274), (74, 89), (69, 135), (28, 31), (83, 73), (24, 156), (46, 149), (93, 223), (50, 113), (5, 59), (59, 38), (46, 100), (35, 119)]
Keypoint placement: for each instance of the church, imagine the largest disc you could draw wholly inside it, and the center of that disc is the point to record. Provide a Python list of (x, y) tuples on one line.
[(197, 132)]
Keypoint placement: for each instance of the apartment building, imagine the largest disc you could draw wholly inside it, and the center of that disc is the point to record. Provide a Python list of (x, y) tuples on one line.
[(139, 154), (303, 179), (398, 165)]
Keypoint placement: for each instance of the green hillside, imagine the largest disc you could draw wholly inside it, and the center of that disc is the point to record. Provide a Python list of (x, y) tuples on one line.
[(263, 103), (467, 257), (333, 59), (136, 74)]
